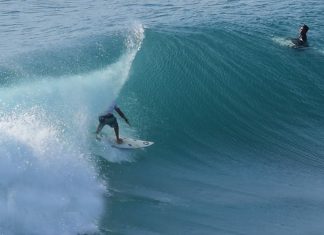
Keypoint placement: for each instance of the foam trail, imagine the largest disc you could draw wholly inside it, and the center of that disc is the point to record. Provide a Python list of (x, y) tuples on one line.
[(47, 184), (283, 41)]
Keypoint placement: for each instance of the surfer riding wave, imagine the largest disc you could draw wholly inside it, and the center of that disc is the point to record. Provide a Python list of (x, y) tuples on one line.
[(301, 41), (107, 118)]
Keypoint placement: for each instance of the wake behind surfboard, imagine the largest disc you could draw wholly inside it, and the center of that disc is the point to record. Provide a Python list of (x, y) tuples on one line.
[(289, 42)]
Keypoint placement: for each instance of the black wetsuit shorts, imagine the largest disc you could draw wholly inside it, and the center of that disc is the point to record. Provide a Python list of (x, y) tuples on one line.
[(108, 120)]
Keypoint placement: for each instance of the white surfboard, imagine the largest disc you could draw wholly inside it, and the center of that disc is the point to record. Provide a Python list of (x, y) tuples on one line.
[(129, 143)]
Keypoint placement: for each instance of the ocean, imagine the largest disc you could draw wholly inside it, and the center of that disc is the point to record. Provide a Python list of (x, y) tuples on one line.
[(236, 114)]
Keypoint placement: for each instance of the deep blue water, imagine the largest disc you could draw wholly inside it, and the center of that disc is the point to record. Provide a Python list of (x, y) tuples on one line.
[(236, 115)]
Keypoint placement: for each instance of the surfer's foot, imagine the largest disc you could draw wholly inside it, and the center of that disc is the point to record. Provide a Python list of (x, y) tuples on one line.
[(119, 141), (98, 137)]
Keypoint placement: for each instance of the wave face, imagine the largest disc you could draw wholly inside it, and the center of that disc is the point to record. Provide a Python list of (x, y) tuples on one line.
[(235, 113), (237, 121), (233, 90)]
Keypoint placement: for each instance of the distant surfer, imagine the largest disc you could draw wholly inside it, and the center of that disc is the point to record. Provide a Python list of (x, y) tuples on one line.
[(302, 39), (107, 118)]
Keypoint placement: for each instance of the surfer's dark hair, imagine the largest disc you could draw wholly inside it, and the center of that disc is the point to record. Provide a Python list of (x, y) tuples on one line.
[(305, 27)]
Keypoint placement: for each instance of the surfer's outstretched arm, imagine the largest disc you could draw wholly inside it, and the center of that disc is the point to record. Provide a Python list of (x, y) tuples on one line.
[(122, 115)]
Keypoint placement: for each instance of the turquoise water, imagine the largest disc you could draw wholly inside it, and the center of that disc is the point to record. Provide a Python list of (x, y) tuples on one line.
[(236, 115)]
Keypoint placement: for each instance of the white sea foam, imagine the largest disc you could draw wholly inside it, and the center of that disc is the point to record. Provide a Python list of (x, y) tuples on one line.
[(47, 183), (283, 41)]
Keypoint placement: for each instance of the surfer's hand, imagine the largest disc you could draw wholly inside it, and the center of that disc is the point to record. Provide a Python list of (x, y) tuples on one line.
[(126, 120)]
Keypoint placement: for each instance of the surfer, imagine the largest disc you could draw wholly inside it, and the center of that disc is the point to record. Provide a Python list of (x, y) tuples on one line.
[(302, 39), (107, 118)]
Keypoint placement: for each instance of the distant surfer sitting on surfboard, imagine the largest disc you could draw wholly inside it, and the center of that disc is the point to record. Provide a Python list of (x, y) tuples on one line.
[(302, 39), (107, 118)]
